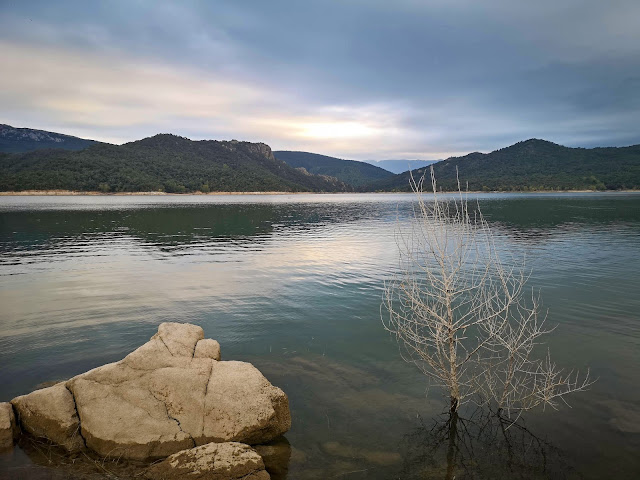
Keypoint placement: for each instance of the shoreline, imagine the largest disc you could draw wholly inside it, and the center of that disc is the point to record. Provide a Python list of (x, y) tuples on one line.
[(74, 193)]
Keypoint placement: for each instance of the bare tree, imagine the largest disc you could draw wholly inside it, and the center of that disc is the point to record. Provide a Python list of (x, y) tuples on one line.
[(462, 312)]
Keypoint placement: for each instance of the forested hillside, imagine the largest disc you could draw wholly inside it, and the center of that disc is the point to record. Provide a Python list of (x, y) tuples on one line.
[(161, 163), (533, 165), (349, 171), (176, 164)]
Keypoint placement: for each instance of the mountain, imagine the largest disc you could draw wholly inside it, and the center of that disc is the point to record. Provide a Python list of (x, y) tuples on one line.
[(14, 140), (349, 171), (399, 166), (532, 165), (160, 163)]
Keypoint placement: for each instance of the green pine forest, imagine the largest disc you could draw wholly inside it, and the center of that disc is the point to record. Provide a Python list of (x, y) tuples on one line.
[(532, 165), (166, 163), (352, 172), (173, 164)]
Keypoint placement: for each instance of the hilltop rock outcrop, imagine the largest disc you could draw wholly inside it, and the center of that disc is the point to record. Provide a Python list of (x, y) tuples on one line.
[(170, 394)]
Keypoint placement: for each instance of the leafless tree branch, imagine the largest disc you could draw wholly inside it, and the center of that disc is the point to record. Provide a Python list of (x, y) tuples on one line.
[(464, 317)]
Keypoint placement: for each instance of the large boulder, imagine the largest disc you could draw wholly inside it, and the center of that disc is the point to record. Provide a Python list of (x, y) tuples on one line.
[(242, 406), (213, 461), (51, 413), (8, 427), (168, 395)]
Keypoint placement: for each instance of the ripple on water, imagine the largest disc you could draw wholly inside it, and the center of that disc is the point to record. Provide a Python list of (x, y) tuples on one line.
[(293, 284)]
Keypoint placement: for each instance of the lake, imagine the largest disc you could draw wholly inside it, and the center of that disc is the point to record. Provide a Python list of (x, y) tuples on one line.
[(293, 284)]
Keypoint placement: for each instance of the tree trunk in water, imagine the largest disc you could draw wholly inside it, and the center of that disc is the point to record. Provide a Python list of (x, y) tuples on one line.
[(453, 436), (454, 406)]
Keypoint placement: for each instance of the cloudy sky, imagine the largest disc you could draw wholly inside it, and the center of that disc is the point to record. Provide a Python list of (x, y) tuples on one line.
[(362, 79)]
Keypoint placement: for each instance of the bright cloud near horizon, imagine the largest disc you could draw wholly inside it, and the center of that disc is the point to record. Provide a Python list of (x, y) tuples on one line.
[(353, 79)]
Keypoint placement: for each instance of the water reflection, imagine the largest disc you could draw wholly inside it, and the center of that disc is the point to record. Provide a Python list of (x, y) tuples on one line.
[(293, 285), (481, 445), (276, 456), (182, 228)]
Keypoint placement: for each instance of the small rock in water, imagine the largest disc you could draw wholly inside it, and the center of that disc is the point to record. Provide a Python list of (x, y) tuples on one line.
[(377, 457), (8, 427), (219, 461)]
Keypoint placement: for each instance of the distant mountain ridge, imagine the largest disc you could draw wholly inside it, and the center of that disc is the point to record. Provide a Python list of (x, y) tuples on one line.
[(163, 162), (15, 140), (352, 172), (532, 165), (171, 163), (399, 166)]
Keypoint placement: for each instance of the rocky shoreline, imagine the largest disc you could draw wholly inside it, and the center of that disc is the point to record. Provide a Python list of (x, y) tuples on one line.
[(172, 401)]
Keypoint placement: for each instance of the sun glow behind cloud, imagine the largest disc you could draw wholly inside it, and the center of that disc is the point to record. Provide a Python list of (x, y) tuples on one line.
[(328, 130), (121, 99), (362, 80)]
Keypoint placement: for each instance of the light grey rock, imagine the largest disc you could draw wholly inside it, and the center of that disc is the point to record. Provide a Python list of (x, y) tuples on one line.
[(170, 394), (179, 338), (213, 461), (50, 413), (242, 406), (207, 348), (162, 398), (8, 427)]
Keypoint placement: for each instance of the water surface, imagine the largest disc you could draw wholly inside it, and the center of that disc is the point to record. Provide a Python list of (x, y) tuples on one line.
[(293, 283)]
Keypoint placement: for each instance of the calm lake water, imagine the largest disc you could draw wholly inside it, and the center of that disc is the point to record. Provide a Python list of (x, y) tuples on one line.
[(293, 284)]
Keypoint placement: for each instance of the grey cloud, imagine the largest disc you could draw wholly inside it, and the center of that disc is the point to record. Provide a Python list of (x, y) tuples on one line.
[(455, 75)]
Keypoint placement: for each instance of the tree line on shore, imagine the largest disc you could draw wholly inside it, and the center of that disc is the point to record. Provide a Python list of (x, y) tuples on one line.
[(173, 164)]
